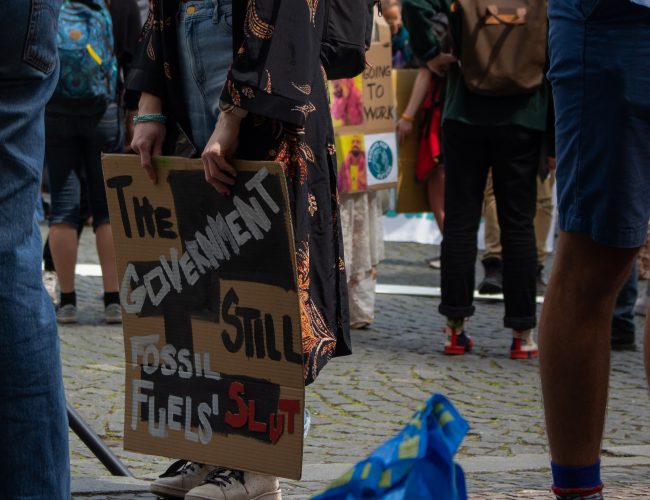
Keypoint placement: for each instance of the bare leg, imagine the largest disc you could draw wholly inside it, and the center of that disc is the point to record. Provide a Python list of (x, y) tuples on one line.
[(436, 195), (63, 246), (575, 329), (646, 345), (106, 252)]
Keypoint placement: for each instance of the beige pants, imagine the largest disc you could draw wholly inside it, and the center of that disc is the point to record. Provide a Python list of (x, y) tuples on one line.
[(543, 218)]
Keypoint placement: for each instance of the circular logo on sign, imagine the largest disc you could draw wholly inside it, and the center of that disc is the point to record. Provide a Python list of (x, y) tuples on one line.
[(380, 160)]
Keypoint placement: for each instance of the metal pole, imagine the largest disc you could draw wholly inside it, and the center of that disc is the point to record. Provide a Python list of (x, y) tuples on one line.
[(95, 444)]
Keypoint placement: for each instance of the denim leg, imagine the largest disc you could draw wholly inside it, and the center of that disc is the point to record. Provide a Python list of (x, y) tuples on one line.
[(205, 54), (624, 310), (110, 131), (34, 461)]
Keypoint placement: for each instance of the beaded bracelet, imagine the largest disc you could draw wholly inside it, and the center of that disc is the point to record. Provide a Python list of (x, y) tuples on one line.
[(160, 118)]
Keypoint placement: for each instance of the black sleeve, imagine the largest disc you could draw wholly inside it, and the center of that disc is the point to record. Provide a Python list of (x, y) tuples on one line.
[(278, 59)]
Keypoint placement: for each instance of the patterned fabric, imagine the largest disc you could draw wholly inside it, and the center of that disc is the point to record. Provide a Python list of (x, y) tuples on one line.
[(363, 238), (276, 76), (85, 45)]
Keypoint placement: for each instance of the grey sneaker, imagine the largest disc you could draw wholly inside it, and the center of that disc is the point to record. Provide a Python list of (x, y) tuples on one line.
[(224, 484), (181, 477), (50, 282), (113, 314), (67, 314)]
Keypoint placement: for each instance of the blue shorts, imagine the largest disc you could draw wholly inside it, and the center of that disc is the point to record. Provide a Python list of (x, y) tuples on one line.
[(600, 72)]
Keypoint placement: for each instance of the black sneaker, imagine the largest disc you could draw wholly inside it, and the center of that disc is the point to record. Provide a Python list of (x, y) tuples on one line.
[(492, 283)]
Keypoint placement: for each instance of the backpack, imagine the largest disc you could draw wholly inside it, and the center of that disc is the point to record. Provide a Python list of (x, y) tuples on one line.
[(501, 44), (88, 65), (346, 37)]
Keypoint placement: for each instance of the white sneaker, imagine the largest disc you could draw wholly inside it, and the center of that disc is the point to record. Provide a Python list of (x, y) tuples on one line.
[(50, 283), (180, 478), (227, 484), (523, 345)]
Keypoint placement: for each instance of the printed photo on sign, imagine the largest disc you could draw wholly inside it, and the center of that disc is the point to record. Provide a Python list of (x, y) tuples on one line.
[(346, 98), (212, 326), (352, 169), (381, 159)]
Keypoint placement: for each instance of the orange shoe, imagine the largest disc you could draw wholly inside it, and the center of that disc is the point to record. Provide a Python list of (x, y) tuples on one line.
[(523, 346), (456, 342)]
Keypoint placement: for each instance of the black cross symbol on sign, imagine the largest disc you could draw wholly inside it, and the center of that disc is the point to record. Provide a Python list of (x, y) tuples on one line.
[(260, 261)]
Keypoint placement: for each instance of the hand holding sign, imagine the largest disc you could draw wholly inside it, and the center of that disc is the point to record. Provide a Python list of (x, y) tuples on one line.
[(222, 144)]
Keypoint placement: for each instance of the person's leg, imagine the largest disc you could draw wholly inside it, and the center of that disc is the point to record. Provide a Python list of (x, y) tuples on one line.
[(575, 328), (544, 215), (514, 174), (34, 460), (598, 52), (492, 230), (465, 177), (62, 150), (623, 327), (436, 195)]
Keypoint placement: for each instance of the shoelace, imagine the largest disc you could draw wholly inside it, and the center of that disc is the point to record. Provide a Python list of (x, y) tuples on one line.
[(222, 476), (179, 467)]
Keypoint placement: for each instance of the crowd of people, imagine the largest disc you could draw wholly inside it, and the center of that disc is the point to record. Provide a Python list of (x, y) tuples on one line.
[(218, 80)]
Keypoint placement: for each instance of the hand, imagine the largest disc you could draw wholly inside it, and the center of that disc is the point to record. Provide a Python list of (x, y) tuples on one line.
[(404, 128), (440, 64), (129, 127), (148, 139), (222, 145), (551, 162)]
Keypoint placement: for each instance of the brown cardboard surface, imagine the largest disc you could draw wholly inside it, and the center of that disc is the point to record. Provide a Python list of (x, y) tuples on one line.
[(411, 196), (361, 107), (211, 315)]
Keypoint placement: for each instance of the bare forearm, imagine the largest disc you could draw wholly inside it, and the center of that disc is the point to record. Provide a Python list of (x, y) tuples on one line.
[(420, 87)]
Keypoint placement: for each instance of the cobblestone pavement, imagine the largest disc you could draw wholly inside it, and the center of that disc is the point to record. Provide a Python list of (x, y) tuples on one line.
[(361, 400)]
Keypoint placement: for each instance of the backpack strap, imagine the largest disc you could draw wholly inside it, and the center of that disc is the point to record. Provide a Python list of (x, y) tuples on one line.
[(517, 19)]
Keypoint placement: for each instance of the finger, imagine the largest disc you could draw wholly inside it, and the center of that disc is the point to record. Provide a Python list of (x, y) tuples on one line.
[(145, 160), (211, 170)]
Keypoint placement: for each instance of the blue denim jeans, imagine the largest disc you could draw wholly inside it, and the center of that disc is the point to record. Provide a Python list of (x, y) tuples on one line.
[(34, 462), (205, 55)]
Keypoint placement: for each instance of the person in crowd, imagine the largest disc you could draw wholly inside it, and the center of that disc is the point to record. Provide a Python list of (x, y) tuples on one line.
[(604, 208), (34, 462), (115, 129), (73, 156), (492, 282), (283, 117), (400, 46), (503, 132)]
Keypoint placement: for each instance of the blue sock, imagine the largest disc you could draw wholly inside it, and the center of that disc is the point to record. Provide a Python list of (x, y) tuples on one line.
[(587, 476)]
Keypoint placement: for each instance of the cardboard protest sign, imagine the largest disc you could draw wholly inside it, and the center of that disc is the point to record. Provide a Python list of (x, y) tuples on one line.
[(211, 314), (411, 195), (362, 108)]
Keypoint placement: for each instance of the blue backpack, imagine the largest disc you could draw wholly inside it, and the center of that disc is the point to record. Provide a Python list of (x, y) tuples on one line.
[(86, 53)]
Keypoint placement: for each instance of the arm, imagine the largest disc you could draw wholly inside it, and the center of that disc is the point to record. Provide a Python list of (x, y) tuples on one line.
[(420, 87), (418, 18), (275, 68)]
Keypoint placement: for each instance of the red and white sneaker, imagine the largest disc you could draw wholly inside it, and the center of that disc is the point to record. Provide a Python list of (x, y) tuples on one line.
[(523, 346), (456, 342)]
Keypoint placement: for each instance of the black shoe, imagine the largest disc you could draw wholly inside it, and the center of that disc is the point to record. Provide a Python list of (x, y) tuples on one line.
[(622, 340), (541, 281), (492, 283)]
